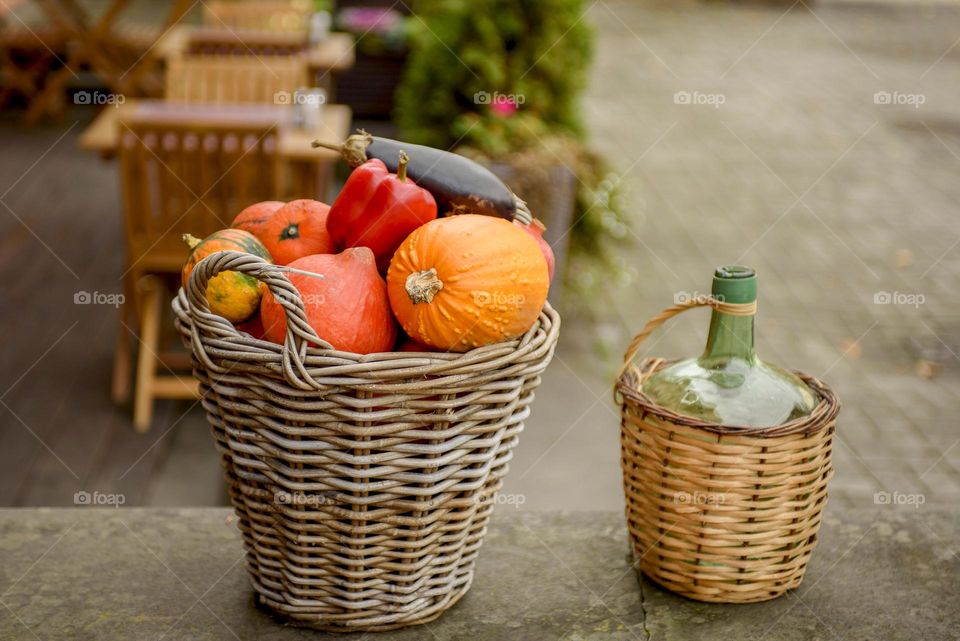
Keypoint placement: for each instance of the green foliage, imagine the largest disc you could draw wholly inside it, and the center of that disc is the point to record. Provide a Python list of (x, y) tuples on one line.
[(602, 224), (468, 56), (534, 52)]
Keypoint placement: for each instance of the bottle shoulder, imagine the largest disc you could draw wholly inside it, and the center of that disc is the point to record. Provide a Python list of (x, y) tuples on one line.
[(732, 391)]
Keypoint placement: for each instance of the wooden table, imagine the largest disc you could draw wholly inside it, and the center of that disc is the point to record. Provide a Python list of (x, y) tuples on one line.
[(310, 169), (123, 62)]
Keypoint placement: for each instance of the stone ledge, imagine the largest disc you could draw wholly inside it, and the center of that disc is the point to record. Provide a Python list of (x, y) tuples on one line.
[(885, 572)]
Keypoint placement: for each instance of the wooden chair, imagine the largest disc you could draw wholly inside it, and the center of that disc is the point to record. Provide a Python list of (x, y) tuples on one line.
[(179, 175), (324, 60), (234, 79), (220, 79), (288, 17)]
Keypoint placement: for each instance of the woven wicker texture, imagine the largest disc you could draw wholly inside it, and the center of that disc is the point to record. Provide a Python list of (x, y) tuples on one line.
[(363, 483), (722, 513)]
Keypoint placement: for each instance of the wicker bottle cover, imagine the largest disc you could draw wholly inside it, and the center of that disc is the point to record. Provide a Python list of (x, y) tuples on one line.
[(721, 513)]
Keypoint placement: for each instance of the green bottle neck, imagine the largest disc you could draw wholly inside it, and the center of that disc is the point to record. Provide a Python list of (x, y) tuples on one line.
[(729, 337)]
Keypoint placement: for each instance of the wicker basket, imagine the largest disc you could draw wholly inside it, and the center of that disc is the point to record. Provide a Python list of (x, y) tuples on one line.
[(363, 483), (716, 512)]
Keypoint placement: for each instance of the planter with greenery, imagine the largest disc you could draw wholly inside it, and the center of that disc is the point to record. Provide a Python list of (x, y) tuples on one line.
[(500, 80)]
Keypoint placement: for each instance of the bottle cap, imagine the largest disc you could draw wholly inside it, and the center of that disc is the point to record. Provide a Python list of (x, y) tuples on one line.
[(735, 284)]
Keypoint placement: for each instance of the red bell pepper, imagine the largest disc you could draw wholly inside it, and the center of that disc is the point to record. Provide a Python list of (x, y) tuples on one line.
[(377, 209)]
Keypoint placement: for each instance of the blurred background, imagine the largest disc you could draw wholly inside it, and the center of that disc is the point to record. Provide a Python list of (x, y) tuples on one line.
[(818, 142)]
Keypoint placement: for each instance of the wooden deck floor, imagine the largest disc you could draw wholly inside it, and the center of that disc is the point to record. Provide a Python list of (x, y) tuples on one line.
[(59, 431)]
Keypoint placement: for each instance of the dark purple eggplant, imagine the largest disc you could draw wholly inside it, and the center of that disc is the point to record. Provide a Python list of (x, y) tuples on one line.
[(459, 185)]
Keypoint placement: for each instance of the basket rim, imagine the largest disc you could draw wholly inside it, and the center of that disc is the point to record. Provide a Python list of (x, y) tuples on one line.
[(307, 363), (547, 322), (822, 416)]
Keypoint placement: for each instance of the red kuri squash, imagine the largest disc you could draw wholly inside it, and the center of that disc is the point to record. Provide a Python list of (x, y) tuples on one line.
[(536, 229), (346, 305), (254, 218), (291, 231)]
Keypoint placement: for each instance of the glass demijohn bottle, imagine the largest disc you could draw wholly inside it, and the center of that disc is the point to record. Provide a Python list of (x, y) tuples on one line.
[(729, 384)]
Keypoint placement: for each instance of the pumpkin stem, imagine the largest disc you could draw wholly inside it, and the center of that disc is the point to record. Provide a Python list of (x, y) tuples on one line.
[(402, 166), (423, 286), (191, 241)]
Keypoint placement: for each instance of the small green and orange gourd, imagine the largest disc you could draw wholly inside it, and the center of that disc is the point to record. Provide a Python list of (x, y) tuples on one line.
[(232, 295)]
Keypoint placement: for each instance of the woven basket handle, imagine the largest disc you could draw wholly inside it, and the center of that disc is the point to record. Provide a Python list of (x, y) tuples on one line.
[(299, 332), (734, 309)]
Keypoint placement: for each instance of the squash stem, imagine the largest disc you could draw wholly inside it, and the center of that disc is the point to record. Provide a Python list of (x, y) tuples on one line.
[(191, 241), (402, 167), (423, 286)]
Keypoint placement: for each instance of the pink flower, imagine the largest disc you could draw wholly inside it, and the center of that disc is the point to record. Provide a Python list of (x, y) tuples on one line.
[(503, 108), (366, 19)]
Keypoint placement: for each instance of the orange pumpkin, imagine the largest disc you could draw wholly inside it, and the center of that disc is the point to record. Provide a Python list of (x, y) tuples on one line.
[(347, 307), (289, 231), (230, 294), (466, 281)]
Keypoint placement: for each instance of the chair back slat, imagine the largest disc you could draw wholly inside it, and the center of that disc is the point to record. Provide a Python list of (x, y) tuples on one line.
[(221, 79), (181, 177)]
